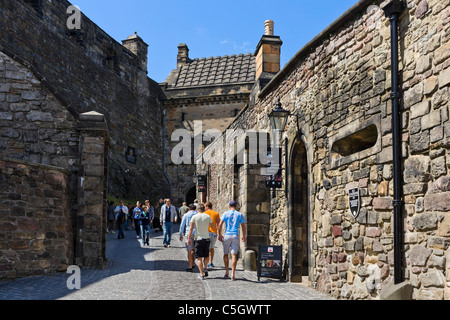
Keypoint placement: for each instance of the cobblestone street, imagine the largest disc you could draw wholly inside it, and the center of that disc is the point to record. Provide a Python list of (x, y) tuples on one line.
[(134, 272)]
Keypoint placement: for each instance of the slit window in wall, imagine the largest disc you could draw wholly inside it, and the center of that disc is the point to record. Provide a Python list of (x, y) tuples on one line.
[(110, 58), (34, 3), (356, 142)]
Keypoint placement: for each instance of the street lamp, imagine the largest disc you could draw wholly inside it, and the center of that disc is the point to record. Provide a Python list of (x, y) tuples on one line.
[(278, 117)]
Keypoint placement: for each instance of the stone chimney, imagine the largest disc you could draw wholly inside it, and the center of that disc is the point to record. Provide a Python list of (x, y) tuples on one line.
[(268, 54), (135, 44), (183, 55)]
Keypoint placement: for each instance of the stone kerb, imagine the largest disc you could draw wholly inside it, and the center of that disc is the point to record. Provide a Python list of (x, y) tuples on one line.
[(92, 190)]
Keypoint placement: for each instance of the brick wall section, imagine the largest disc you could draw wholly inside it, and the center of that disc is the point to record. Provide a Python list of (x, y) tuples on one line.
[(35, 225), (340, 83)]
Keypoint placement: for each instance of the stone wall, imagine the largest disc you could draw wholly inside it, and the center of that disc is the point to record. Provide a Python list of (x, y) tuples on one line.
[(35, 221), (77, 100), (339, 84), (87, 70)]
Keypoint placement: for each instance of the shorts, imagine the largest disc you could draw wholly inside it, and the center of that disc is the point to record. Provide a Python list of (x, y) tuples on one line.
[(231, 242), (213, 239), (201, 247), (189, 246)]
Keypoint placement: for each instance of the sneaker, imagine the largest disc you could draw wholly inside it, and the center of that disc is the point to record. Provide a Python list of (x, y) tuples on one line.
[(189, 269), (200, 277), (165, 245), (226, 276), (210, 266), (113, 232), (205, 273)]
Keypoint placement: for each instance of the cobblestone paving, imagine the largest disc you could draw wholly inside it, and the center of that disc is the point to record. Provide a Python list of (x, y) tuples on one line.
[(136, 272)]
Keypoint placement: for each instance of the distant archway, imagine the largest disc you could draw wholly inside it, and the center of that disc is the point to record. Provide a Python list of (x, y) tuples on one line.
[(191, 195)]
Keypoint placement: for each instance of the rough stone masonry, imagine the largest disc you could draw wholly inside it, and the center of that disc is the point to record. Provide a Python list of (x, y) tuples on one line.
[(339, 86)]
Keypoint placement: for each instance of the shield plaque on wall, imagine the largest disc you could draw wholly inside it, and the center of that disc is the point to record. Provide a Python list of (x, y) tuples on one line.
[(354, 202)]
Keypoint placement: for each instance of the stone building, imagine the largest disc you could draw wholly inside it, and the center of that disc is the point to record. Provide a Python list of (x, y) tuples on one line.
[(73, 103), (207, 92), (340, 143)]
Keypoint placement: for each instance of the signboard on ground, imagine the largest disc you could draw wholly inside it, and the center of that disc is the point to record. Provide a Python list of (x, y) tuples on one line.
[(270, 261)]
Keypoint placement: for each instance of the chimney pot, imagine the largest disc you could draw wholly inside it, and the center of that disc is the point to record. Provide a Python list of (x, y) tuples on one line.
[(269, 27)]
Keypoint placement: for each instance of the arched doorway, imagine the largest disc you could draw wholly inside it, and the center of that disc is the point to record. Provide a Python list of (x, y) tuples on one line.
[(191, 195), (299, 208)]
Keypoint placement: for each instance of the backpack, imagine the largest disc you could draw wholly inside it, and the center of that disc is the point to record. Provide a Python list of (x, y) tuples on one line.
[(121, 218)]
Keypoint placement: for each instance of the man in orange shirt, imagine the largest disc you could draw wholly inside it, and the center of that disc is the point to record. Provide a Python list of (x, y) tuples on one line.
[(212, 230)]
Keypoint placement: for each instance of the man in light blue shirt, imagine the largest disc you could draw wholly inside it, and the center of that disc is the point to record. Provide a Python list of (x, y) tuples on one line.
[(184, 229), (232, 219)]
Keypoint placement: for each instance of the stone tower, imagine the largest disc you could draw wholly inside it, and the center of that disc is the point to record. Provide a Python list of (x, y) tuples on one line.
[(135, 44)]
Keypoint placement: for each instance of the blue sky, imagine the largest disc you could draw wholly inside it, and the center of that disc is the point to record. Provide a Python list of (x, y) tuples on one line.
[(211, 28)]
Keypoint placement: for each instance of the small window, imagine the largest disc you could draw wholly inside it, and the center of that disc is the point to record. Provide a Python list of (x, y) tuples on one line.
[(36, 5), (110, 58), (356, 142)]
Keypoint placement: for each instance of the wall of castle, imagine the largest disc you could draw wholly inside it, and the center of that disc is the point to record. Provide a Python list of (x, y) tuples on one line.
[(35, 220), (340, 84), (87, 70)]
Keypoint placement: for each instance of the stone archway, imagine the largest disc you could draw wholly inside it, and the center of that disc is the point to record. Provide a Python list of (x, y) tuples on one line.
[(191, 195), (299, 213)]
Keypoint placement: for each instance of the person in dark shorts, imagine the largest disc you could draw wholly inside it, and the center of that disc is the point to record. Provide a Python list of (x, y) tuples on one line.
[(201, 221)]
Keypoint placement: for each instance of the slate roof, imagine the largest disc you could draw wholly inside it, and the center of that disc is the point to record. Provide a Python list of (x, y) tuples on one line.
[(219, 70)]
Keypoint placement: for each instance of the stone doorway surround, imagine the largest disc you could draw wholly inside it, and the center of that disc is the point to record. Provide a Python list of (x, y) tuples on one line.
[(298, 212)]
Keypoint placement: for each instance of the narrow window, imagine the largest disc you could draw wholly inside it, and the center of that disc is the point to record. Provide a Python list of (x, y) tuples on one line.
[(36, 5), (356, 142), (110, 58)]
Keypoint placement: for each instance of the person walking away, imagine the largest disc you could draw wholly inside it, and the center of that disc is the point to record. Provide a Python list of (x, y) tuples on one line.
[(117, 210), (128, 219), (137, 219), (201, 221), (232, 220), (156, 222), (111, 218), (196, 204), (212, 231), (183, 210), (184, 230), (120, 219), (146, 218), (167, 218)]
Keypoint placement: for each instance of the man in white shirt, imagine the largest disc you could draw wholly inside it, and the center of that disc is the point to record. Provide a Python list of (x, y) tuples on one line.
[(201, 221)]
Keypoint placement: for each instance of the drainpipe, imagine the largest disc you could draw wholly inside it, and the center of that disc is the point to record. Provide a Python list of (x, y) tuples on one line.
[(393, 10), (164, 152)]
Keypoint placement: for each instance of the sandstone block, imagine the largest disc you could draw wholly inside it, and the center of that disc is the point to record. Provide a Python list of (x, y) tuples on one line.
[(437, 202), (419, 255), (425, 221), (444, 78), (420, 109), (34, 116), (417, 169), (431, 120), (441, 54), (382, 203)]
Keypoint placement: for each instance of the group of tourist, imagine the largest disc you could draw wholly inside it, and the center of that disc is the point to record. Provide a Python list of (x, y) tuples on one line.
[(200, 228)]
